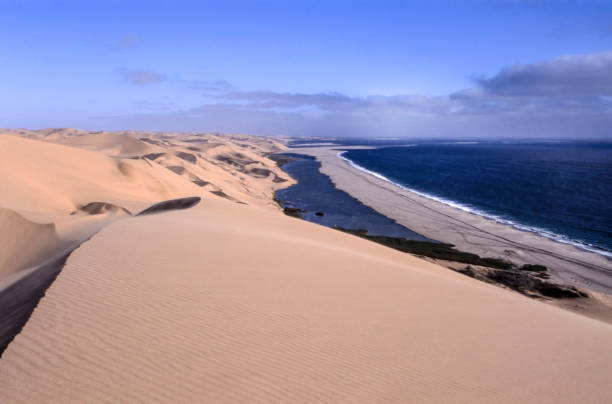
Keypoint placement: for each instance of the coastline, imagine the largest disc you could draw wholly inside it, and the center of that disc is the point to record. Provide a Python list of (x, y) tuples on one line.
[(233, 300), (457, 205), (467, 231)]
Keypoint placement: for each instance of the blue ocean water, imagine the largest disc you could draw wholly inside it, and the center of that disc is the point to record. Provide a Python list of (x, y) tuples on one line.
[(560, 190)]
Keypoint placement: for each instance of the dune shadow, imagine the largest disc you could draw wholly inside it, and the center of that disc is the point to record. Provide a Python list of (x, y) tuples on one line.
[(172, 204), (18, 301), (96, 208)]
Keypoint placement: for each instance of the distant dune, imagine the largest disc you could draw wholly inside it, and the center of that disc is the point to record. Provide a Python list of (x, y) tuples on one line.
[(221, 298)]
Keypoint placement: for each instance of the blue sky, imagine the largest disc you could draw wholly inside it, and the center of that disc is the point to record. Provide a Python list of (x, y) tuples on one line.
[(330, 68)]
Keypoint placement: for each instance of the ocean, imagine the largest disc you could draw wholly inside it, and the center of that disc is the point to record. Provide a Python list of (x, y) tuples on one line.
[(559, 190)]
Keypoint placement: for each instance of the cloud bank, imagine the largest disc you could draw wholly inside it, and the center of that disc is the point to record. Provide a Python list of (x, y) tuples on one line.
[(569, 96), (570, 76)]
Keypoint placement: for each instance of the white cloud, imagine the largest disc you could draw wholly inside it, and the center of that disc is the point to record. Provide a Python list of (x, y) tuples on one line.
[(563, 97)]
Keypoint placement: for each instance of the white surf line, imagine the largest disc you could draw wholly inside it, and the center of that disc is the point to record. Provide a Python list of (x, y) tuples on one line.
[(519, 226)]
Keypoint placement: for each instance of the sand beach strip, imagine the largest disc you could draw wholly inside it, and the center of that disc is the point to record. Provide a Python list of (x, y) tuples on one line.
[(467, 231)]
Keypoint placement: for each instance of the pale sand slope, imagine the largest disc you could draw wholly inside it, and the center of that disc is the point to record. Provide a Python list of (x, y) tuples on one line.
[(45, 185), (230, 166), (52, 193), (37, 239), (61, 186), (230, 303), (46, 181), (54, 197), (468, 232)]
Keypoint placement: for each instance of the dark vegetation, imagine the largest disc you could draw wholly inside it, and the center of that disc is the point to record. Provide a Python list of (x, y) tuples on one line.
[(534, 268), (431, 249), (290, 211), (528, 279), (293, 212), (526, 283)]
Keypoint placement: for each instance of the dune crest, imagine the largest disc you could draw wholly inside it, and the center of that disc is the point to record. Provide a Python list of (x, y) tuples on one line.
[(223, 166), (223, 302), (109, 143), (45, 180), (236, 302), (60, 186)]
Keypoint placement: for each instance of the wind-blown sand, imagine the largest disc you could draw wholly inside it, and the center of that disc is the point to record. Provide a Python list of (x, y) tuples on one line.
[(469, 232), (236, 302)]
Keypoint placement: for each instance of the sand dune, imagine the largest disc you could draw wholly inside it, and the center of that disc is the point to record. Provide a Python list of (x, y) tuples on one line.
[(236, 302), (24, 243), (55, 181), (46, 180), (223, 302), (221, 165), (61, 186)]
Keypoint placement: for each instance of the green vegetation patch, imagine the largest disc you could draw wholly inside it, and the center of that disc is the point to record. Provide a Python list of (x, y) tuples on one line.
[(432, 249), (528, 279)]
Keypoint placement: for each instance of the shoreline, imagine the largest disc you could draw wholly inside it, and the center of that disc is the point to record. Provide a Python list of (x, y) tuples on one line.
[(468, 231), (559, 238), (229, 301)]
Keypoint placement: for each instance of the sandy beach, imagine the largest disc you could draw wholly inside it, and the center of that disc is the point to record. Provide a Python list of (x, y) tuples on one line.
[(467, 231), (216, 296)]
